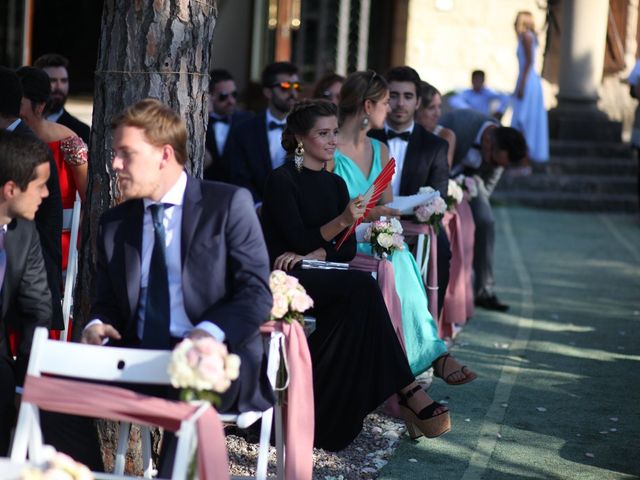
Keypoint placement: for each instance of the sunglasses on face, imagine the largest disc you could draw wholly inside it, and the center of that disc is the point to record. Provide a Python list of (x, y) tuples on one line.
[(223, 96), (287, 86)]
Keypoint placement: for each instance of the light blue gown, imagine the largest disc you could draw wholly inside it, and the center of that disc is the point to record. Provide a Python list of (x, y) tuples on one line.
[(420, 332), (529, 114)]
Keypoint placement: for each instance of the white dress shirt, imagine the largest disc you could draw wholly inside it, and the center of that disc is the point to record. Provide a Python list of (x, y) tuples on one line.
[(485, 101), (473, 158), (180, 325), (278, 153), (221, 131), (53, 117), (397, 150)]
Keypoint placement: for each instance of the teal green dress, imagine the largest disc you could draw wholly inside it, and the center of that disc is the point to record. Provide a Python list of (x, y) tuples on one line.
[(420, 332)]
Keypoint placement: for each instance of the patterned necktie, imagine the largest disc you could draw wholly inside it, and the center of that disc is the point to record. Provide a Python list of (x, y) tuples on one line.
[(156, 334), (3, 258)]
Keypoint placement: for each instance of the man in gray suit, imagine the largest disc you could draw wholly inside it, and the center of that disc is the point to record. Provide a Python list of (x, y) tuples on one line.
[(484, 149)]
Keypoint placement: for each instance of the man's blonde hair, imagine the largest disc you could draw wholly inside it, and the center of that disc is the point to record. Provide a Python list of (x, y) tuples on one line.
[(161, 125)]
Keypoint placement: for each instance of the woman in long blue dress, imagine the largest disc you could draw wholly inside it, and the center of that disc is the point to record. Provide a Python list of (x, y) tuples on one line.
[(529, 114), (364, 104)]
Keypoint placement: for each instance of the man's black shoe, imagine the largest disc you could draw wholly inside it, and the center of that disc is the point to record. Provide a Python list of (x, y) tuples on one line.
[(491, 303)]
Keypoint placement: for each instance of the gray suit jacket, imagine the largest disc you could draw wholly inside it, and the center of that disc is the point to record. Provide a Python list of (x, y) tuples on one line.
[(466, 124), (26, 298)]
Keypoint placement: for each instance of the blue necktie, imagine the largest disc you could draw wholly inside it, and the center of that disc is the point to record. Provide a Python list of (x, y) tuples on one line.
[(156, 334)]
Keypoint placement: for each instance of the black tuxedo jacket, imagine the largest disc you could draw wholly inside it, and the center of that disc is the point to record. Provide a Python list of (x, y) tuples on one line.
[(249, 155), (225, 270), (26, 299), (80, 128), (49, 224), (220, 168), (425, 163)]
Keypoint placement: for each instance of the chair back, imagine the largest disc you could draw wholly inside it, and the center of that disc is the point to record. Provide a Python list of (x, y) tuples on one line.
[(71, 222)]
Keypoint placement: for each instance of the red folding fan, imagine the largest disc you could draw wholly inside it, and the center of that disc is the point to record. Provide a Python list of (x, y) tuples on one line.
[(372, 195)]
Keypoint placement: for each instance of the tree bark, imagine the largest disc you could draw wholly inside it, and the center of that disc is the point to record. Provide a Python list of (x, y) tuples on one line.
[(159, 49)]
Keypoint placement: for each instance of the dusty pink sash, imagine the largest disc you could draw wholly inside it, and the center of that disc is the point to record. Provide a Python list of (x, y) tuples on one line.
[(387, 282), (69, 396), (298, 412), (412, 228), (468, 230), (454, 310)]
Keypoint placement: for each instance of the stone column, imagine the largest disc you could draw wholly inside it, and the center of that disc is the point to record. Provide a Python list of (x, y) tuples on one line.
[(583, 38)]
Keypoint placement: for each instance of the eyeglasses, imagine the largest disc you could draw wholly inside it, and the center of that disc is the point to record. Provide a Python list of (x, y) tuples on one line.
[(287, 86), (223, 96)]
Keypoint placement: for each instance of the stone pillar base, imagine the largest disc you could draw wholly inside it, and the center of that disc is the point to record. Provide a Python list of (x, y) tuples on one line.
[(574, 120)]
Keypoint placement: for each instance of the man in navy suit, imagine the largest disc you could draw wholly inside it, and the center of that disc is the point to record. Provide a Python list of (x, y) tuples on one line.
[(25, 302), (421, 157), (255, 147), (180, 257), (223, 114)]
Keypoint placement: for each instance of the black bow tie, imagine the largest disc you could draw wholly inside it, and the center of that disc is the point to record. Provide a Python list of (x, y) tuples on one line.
[(402, 135), (220, 119), (273, 125)]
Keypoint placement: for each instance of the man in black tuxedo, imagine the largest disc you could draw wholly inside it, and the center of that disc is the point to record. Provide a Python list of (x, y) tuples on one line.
[(49, 216), (181, 257), (421, 157), (223, 114), (255, 145), (26, 299), (56, 67)]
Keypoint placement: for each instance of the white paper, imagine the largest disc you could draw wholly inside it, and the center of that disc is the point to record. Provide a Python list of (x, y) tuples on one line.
[(360, 230), (406, 204)]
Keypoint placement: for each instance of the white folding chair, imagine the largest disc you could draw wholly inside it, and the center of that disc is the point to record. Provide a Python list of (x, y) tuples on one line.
[(275, 348), (96, 363), (71, 223)]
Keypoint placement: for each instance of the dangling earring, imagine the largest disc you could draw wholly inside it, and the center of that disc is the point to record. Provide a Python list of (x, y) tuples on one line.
[(365, 122), (299, 157)]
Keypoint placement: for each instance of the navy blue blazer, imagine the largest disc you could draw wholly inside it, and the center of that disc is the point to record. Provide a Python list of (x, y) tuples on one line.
[(225, 270), (250, 156), (220, 168)]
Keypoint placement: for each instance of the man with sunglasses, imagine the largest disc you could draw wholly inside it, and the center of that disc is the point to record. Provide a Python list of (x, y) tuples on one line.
[(255, 145), (223, 114)]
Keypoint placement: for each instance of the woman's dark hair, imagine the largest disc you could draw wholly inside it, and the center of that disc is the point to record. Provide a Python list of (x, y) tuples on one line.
[(35, 82), (357, 88), (325, 83), (427, 92), (302, 118)]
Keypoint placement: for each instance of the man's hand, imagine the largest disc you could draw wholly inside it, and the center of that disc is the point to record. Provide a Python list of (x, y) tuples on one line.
[(96, 334), (197, 333)]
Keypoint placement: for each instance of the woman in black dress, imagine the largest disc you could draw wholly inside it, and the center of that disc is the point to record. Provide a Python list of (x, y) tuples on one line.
[(357, 360)]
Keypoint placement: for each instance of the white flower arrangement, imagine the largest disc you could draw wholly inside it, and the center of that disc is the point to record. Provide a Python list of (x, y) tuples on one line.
[(57, 466), (468, 184), (202, 368), (431, 212), (454, 194), (385, 236), (290, 299)]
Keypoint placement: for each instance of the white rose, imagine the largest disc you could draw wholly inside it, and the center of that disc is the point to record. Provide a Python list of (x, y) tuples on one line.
[(385, 240)]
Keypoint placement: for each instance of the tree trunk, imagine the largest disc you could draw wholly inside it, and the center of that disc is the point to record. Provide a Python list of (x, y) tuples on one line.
[(159, 49)]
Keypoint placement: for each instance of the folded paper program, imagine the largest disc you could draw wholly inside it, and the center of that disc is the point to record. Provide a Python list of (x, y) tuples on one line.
[(407, 204)]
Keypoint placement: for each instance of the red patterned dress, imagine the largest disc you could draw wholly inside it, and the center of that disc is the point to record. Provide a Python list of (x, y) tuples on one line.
[(68, 152)]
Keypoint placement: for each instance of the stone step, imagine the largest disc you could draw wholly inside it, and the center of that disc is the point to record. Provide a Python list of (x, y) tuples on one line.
[(568, 201), (581, 184), (593, 165), (590, 149)]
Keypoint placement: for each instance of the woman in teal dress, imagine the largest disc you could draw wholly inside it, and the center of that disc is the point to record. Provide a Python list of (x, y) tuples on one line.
[(364, 103)]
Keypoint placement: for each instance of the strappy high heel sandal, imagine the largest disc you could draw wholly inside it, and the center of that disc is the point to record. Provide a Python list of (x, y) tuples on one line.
[(424, 422), (469, 376)]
